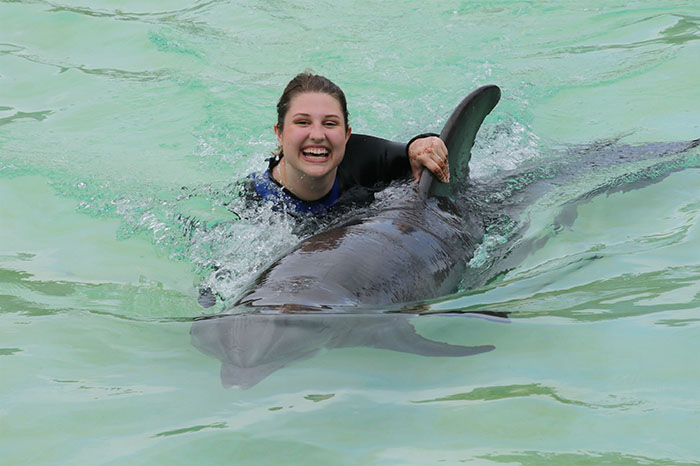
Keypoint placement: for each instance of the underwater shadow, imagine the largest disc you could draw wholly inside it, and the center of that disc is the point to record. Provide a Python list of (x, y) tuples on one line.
[(254, 345)]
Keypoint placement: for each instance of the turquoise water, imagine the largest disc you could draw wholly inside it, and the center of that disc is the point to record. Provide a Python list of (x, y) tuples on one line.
[(122, 125)]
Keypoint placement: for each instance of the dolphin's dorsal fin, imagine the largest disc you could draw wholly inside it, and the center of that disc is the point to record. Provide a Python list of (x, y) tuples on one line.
[(459, 133)]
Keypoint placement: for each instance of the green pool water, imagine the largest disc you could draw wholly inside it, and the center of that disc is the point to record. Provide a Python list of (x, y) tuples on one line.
[(123, 125)]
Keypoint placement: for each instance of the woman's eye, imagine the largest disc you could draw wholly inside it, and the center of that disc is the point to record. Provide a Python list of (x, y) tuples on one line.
[(331, 123), (302, 122)]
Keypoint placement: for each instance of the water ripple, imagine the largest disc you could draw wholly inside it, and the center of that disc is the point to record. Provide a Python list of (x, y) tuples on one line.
[(176, 18), (37, 116), (592, 458), (187, 430), (627, 295), (113, 73), (517, 391), (21, 293)]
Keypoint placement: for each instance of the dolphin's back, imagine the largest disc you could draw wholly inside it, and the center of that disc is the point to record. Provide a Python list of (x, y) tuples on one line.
[(399, 255)]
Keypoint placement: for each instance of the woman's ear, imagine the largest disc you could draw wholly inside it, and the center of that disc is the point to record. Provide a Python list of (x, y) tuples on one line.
[(347, 136), (278, 133)]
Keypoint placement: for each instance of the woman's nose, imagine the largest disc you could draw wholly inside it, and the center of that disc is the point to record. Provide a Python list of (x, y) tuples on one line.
[(317, 132)]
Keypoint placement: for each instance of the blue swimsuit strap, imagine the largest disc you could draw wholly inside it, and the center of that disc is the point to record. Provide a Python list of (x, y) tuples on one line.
[(271, 191)]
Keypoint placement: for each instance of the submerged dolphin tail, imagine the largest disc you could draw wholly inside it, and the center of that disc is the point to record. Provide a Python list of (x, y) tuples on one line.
[(459, 133)]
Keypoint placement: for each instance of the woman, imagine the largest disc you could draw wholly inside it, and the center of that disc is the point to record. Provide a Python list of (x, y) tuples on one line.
[(320, 163)]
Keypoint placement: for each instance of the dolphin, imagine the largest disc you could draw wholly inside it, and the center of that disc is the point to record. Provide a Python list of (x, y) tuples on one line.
[(359, 282), (410, 249), (405, 250)]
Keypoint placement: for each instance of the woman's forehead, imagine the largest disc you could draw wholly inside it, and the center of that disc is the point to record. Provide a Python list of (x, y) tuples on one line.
[(313, 103)]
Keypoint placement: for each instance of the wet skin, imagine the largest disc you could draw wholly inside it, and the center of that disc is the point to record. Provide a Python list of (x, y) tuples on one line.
[(313, 138)]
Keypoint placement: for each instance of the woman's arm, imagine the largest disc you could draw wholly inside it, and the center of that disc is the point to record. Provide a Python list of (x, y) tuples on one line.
[(371, 160)]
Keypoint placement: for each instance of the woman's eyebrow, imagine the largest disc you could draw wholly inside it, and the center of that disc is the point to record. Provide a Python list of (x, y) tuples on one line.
[(302, 114)]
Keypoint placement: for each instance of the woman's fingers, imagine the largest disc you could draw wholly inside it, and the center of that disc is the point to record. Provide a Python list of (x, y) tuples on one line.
[(431, 153)]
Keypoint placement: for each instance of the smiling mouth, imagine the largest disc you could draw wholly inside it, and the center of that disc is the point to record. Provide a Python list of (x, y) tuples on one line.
[(316, 153)]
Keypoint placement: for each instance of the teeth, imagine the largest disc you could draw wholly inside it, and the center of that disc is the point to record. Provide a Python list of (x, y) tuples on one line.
[(316, 151)]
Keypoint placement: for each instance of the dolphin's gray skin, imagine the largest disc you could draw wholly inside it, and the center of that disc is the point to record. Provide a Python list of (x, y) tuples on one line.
[(252, 346), (413, 249), (405, 250)]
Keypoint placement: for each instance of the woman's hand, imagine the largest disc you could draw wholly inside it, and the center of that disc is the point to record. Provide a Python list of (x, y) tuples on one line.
[(429, 152)]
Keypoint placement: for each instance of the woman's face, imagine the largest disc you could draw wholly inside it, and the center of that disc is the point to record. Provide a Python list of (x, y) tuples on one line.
[(313, 136)]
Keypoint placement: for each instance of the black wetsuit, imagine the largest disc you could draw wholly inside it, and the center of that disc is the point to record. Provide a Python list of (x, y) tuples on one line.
[(369, 165)]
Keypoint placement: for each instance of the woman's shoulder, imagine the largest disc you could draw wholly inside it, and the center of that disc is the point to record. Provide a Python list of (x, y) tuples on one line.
[(263, 188)]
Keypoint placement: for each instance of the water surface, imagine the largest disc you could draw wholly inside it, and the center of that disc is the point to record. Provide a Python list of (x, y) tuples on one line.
[(123, 125)]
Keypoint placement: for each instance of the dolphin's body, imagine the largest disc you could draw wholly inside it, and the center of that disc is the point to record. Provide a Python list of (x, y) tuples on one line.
[(326, 292), (413, 249)]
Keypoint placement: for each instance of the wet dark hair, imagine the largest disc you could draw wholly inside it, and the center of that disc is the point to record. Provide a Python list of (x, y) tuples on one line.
[(309, 82)]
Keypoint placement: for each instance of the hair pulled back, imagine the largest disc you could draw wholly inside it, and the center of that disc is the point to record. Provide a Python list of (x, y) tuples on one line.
[(309, 82)]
